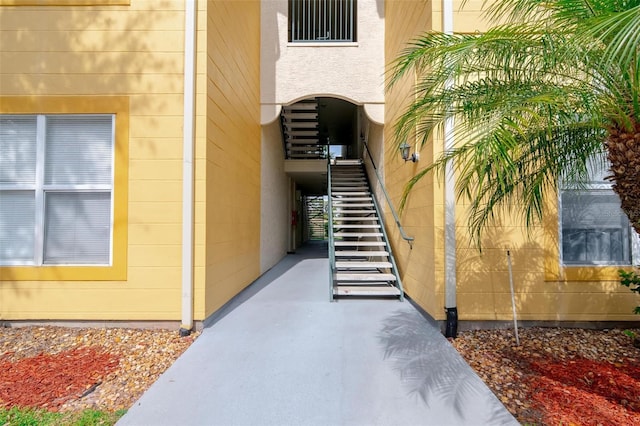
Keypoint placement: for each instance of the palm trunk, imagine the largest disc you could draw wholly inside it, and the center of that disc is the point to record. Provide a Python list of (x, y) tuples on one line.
[(624, 154)]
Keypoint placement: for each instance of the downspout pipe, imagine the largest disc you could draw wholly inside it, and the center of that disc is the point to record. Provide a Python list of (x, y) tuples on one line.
[(451, 328), (187, 166)]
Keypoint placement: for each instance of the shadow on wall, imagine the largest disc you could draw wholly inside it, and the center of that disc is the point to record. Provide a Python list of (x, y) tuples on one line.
[(483, 276), (80, 51), (431, 368)]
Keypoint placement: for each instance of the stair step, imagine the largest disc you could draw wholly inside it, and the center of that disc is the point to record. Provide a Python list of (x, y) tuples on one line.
[(361, 253), (301, 106), (306, 148), (346, 199), (349, 189), (302, 133), (366, 291), (359, 243), (353, 205), (300, 124), (305, 155), (343, 211), (353, 219), (351, 226), (348, 162), (301, 115), (362, 265), (350, 193), (301, 140), (375, 277), (357, 234)]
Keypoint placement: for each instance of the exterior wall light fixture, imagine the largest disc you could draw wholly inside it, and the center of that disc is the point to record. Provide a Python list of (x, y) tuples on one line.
[(405, 148)]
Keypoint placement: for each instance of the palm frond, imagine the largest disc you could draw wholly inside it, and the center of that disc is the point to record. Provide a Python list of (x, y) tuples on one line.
[(619, 35), (532, 100)]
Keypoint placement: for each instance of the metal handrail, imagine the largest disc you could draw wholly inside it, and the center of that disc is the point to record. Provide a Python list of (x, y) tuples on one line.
[(404, 236), (332, 255)]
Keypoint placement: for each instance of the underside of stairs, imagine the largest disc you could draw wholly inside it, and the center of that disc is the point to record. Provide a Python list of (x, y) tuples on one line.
[(300, 129), (361, 260)]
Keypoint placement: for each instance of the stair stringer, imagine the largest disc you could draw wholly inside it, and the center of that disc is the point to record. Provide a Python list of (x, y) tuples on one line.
[(383, 227)]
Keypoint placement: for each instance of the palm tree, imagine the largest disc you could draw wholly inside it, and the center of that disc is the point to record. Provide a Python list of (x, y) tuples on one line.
[(533, 100)]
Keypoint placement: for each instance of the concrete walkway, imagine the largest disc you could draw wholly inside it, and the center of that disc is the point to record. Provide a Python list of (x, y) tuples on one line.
[(282, 354)]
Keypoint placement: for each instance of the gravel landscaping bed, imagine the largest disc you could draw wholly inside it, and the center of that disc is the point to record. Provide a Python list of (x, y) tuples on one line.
[(97, 368), (559, 376), (555, 376)]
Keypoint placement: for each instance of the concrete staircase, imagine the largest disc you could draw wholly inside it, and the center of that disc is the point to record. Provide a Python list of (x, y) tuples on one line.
[(359, 253)]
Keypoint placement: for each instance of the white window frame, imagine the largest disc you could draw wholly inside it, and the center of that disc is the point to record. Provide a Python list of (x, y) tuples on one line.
[(634, 243), (41, 189)]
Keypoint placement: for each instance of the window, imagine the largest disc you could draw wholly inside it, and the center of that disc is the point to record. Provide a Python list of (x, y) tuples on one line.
[(595, 231), (56, 187), (322, 20)]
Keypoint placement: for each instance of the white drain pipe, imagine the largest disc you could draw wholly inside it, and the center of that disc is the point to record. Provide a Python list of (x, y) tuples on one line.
[(187, 166), (449, 204)]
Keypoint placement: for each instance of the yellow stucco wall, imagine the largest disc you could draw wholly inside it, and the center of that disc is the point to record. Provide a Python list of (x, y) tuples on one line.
[(544, 291), (232, 185), (75, 56)]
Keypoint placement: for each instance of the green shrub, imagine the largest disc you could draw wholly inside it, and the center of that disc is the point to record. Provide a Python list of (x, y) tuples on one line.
[(631, 279)]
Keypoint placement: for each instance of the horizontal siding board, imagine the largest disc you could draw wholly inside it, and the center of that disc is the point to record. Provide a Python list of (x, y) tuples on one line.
[(40, 62), (92, 41)]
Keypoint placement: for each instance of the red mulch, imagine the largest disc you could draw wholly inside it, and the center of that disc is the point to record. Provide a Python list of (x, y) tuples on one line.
[(559, 376), (48, 381), (586, 392)]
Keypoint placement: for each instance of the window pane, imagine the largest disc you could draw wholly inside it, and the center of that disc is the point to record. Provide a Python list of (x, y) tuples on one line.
[(77, 227), (18, 149), (79, 150), (17, 221), (594, 228)]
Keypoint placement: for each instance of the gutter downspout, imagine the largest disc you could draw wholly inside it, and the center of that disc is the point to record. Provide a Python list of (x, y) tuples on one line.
[(187, 166), (451, 308)]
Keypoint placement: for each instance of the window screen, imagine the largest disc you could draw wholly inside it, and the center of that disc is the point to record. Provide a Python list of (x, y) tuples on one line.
[(56, 184), (594, 229)]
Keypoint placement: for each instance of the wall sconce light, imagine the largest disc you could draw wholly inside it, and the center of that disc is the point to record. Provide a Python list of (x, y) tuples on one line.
[(405, 148)]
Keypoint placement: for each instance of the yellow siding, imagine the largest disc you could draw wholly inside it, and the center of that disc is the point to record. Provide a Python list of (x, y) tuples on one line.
[(403, 21), (63, 2), (89, 52), (232, 185)]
